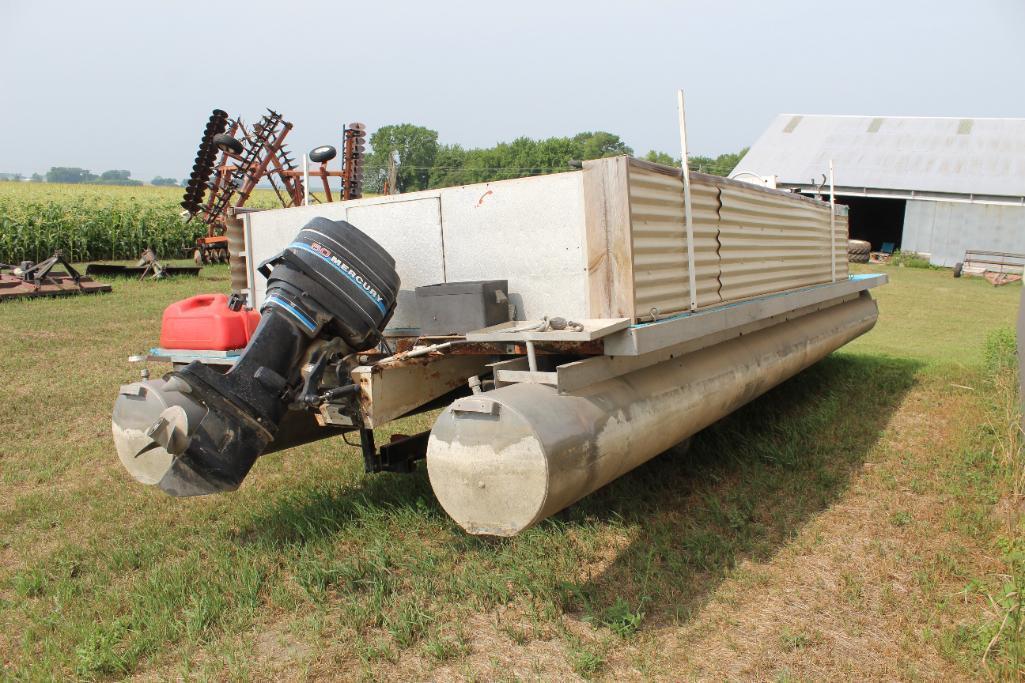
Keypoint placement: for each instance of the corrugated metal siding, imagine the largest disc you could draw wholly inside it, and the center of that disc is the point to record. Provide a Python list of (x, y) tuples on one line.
[(771, 242), (946, 230), (661, 279), (969, 157), (843, 234)]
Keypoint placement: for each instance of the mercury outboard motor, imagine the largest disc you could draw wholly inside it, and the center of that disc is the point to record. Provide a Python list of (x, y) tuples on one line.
[(198, 431)]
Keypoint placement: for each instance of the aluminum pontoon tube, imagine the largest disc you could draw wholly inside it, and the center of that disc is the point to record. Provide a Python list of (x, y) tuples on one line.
[(504, 460)]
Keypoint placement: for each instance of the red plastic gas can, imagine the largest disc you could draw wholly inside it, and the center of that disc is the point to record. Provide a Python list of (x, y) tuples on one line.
[(204, 322)]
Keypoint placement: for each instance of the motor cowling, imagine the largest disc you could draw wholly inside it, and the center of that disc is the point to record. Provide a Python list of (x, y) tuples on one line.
[(198, 431)]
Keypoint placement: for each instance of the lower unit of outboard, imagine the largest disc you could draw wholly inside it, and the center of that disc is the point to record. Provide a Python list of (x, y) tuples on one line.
[(330, 294)]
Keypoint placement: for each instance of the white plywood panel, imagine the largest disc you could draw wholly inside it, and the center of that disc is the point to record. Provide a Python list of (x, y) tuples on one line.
[(411, 232), (407, 226), (272, 231), (529, 231)]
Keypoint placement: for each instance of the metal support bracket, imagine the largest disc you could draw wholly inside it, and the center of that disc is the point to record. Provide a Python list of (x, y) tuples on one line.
[(400, 455)]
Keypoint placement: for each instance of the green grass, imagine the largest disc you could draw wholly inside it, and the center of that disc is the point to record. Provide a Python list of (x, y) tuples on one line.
[(931, 316), (103, 578)]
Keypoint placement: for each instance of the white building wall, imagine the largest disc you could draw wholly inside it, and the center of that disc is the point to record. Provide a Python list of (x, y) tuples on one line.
[(945, 230)]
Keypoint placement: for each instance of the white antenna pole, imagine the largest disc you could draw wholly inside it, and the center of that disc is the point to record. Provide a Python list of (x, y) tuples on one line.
[(832, 221), (688, 222), (305, 181)]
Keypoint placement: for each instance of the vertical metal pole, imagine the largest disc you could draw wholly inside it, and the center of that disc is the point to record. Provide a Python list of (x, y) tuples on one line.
[(531, 357), (832, 221), (687, 219), (306, 180)]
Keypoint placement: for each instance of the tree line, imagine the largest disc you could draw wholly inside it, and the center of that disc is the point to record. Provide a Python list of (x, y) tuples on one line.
[(72, 175), (421, 162)]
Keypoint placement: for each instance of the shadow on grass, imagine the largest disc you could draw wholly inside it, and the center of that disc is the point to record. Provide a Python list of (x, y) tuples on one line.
[(742, 489)]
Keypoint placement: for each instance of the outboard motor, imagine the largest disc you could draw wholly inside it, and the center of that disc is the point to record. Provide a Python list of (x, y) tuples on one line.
[(197, 431)]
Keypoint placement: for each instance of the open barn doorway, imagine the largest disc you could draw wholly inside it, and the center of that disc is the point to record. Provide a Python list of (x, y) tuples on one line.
[(876, 220)]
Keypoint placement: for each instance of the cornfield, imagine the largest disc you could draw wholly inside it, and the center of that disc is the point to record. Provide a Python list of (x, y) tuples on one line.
[(93, 223)]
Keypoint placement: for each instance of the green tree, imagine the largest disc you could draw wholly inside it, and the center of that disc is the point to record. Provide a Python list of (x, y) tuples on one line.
[(163, 181), (600, 144), (449, 167), (36, 178), (117, 177), (69, 174), (661, 158), (417, 148), (721, 165)]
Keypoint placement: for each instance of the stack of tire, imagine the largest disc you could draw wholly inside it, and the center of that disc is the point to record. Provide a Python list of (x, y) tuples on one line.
[(858, 250)]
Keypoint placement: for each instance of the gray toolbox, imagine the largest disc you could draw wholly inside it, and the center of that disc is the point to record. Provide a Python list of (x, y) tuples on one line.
[(460, 307)]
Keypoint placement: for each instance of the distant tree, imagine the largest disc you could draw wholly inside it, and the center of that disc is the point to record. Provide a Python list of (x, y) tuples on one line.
[(117, 177), (661, 158), (184, 182), (524, 156), (164, 181), (417, 148), (449, 166), (36, 178), (11, 177), (600, 144), (69, 174), (721, 165)]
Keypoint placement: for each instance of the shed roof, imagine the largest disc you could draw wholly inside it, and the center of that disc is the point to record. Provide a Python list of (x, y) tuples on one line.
[(901, 155)]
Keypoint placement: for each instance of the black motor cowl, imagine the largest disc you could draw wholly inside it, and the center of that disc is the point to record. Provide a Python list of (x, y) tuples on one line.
[(335, 281), (198, 431)]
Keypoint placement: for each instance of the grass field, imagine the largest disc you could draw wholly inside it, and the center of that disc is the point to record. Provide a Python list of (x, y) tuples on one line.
[(861, 521)]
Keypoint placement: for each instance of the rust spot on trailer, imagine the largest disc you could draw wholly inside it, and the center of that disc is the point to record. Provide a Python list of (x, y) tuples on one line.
[(480, 201)]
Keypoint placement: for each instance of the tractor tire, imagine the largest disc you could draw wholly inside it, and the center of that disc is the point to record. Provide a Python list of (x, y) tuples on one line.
[(858, 251), (323, 153), (958, 268), (227, 143)]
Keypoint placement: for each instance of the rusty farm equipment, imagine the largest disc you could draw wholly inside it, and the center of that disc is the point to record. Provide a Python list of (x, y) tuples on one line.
[(234, 158), (148, 267), (52, 277)]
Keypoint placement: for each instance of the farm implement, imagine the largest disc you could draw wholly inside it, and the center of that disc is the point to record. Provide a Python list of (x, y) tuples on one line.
[(148, 267), (572, 326), (234, 158), (46, 278)]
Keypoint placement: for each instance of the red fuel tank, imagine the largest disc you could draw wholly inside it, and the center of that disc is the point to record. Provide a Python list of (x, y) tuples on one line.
[(204, 322)]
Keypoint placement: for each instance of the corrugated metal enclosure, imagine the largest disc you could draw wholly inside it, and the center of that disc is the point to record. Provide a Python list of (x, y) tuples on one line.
[(608, 241), (932, 185), (660, 260), (748, 241), (770, 242)]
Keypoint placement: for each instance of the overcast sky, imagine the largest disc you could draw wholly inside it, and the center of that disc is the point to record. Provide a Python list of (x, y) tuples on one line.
[(130, 84)]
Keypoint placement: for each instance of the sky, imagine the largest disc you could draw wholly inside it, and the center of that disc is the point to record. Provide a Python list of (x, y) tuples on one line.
[(129, 85)]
